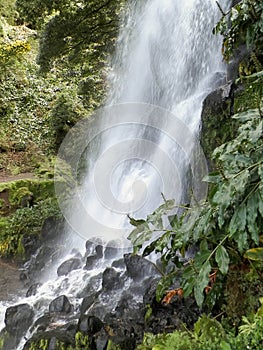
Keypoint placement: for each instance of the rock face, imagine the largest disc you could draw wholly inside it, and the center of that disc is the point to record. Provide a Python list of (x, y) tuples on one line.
[(69, 265), (18, 319), (217, 124), (114, 308), (111, 305), (111, 279), (60, 305), (138, 268)]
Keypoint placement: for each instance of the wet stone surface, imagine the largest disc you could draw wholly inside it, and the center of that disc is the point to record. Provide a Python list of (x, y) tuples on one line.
[(11, 285)]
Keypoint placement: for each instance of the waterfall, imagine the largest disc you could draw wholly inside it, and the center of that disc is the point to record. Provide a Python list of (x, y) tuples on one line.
[(142, 143)]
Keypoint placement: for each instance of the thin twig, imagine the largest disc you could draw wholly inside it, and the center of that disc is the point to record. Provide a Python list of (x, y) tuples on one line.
[(220, 8)]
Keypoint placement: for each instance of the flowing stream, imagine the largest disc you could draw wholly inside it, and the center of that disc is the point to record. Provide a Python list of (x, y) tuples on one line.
[(167, 60)]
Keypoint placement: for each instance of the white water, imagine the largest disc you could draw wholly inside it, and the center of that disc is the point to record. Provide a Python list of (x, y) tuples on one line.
[(166, 56)]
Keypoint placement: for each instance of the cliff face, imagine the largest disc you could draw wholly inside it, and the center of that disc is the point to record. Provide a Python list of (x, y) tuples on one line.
[(218, 126)]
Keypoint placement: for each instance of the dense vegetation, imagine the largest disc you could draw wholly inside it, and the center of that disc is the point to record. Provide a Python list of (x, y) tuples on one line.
[(225, 275), (52, 73), (53, 58)]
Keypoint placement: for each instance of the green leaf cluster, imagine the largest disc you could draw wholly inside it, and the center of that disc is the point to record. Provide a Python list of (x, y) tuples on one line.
[(243, 25), (225, 229), (208, 333)]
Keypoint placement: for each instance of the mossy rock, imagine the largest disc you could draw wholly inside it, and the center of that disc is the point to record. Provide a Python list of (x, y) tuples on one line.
[(218, 126), (21, 197), (248, 93), (21, 193), (25, 205)]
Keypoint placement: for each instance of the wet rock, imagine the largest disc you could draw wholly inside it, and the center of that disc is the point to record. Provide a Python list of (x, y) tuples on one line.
[(18, 318), (127, 332), (130, 306), (52, 343), (111, 279), (100, 340), (111, 252), (92, 260), (42, 323), (93, 286), (51, 229), (89, 324), (50, 339), (119, 264), (217, 124), (31, 243), (32, 289), (23, 276), (138, 267), (88, 301), (69, 265), (76, 253), (165, 318), (90, 248), (60, 304)]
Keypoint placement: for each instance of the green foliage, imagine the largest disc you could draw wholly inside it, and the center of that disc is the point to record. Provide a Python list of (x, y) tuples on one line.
[(27, 221), (223, 228), (8, 11), (171, 341), (81, 341), (27, 205), (209, 334), (243, 24), (72, 28), (75, 41), (66, 112)]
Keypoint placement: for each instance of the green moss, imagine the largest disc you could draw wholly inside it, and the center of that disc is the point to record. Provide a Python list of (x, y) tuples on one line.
[(81, 340), (81, 343), (112, 346), (25, 221), (4, 337), (218, 126), (17, 197), (249, 93), (244, 287), (21, 193)]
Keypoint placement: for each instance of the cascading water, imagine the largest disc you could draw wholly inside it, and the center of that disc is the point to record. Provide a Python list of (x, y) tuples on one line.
[(168, 57)]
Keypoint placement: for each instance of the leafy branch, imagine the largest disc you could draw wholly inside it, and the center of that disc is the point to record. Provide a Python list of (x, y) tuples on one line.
[(221, 230)]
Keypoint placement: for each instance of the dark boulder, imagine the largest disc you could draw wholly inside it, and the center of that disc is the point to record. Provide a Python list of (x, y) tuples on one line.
[(60, 304), (139, 268), (100, 340), (18, 319), (92, 260), (119, 264), (30, 243), (51, 229), (65, 335), (88, 301), (111, 279), (69, 265), (90, 248), (164, 318), (90, 325)]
